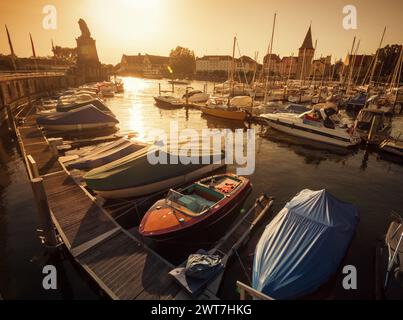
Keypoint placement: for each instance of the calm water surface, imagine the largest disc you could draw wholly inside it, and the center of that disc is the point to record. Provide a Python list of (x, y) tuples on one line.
[(284, 166)]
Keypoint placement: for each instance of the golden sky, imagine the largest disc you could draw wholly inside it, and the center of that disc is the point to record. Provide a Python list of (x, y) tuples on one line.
[(206, 26)]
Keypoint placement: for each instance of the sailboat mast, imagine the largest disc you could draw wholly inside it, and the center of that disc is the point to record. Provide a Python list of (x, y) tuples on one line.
[(289, 71), (354, 59), (376, 56), (270, 53), (11, 49), (233, 67)]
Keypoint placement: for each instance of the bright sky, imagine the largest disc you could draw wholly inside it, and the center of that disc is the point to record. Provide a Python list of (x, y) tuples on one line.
[(205, 26)]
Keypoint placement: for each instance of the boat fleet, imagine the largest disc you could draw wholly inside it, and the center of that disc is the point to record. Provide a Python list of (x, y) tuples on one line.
[(301, 248), (79, 110)]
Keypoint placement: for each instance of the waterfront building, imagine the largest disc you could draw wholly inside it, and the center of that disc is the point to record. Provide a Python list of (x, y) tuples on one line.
[(140, 65), (361, 64), (321, 67)]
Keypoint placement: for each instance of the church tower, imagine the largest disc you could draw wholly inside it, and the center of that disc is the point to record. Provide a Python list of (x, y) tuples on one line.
[(305, 57)]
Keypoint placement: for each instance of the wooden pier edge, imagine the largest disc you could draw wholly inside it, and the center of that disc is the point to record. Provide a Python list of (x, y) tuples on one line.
[(50, 184)]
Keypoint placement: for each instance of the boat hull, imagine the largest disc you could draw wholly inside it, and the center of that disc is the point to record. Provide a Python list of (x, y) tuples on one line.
[(232, 115), (310, 134), (393, 148), (167, 104), (139, 191)]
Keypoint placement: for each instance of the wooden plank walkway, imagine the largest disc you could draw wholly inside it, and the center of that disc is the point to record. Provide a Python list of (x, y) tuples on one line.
[(122, 266)]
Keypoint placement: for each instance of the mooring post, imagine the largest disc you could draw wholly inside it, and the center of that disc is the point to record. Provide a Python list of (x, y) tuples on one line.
[(11, 123), (33, 167), (53, 144), (159, 89), (45, 216), (374, 128)]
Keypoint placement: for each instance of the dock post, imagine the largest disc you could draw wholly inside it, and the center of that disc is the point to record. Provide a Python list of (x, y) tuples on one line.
[(159, 89), (11, 123), (33, 167), (45, 216), (53, 144), (374, 128)]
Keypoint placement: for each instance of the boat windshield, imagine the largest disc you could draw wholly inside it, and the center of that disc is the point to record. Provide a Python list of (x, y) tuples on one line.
[(194, 201)]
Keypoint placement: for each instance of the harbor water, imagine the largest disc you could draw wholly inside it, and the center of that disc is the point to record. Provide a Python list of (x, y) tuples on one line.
[(284, 166)]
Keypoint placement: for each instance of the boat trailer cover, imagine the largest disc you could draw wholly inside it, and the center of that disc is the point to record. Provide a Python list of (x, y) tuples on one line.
[(202, 265), (304, 245)]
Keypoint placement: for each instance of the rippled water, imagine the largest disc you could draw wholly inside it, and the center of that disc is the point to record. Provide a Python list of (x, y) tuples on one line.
[(284, 166)]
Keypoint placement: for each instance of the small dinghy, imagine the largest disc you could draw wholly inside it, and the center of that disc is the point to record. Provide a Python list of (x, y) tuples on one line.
[(102, 155), (304, 245), (219, 107), (84, 118), (135, 176), (192, 209), (168, 102)]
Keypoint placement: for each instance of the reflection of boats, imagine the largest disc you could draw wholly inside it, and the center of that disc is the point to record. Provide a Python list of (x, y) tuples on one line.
[(194, 208), (218, 107), (134, 175), (303, 245), (168, 102), (105, 154), (319, 125), (84, 118)]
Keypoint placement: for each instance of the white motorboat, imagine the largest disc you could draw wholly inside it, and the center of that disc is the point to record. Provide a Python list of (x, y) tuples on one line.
[(319, 125), (168, 102)]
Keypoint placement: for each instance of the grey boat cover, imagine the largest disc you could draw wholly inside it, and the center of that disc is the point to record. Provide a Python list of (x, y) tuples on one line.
[(303, 245), (84, 115), (105, 154), (136, 170), (72, 106), (202, 265)]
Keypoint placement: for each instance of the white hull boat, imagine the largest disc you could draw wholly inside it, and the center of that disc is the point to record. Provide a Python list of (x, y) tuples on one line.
[(304, 126)]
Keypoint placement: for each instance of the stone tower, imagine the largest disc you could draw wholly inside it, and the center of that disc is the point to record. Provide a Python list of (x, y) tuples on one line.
[(87, 55), (305, 57)]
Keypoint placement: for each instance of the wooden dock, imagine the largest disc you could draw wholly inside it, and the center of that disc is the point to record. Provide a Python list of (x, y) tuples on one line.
[(121, 264)]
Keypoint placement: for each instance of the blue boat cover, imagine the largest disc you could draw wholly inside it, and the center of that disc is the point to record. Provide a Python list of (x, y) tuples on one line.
[(83, 115), (303, 245)]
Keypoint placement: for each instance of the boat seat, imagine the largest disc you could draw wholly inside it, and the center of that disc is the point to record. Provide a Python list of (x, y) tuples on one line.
[(195, 203)]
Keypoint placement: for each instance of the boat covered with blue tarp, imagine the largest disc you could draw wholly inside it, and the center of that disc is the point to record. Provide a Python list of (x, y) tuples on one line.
[(303, 245), (87, 117)]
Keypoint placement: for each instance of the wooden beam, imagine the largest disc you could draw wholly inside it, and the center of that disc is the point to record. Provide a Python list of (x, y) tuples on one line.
[(44, 212), (245, 289)]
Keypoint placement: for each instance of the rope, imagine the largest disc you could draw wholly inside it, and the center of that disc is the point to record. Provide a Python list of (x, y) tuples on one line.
[(243, 267)]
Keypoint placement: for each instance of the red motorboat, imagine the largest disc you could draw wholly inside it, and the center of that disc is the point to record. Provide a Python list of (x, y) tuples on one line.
[(192, 209)]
